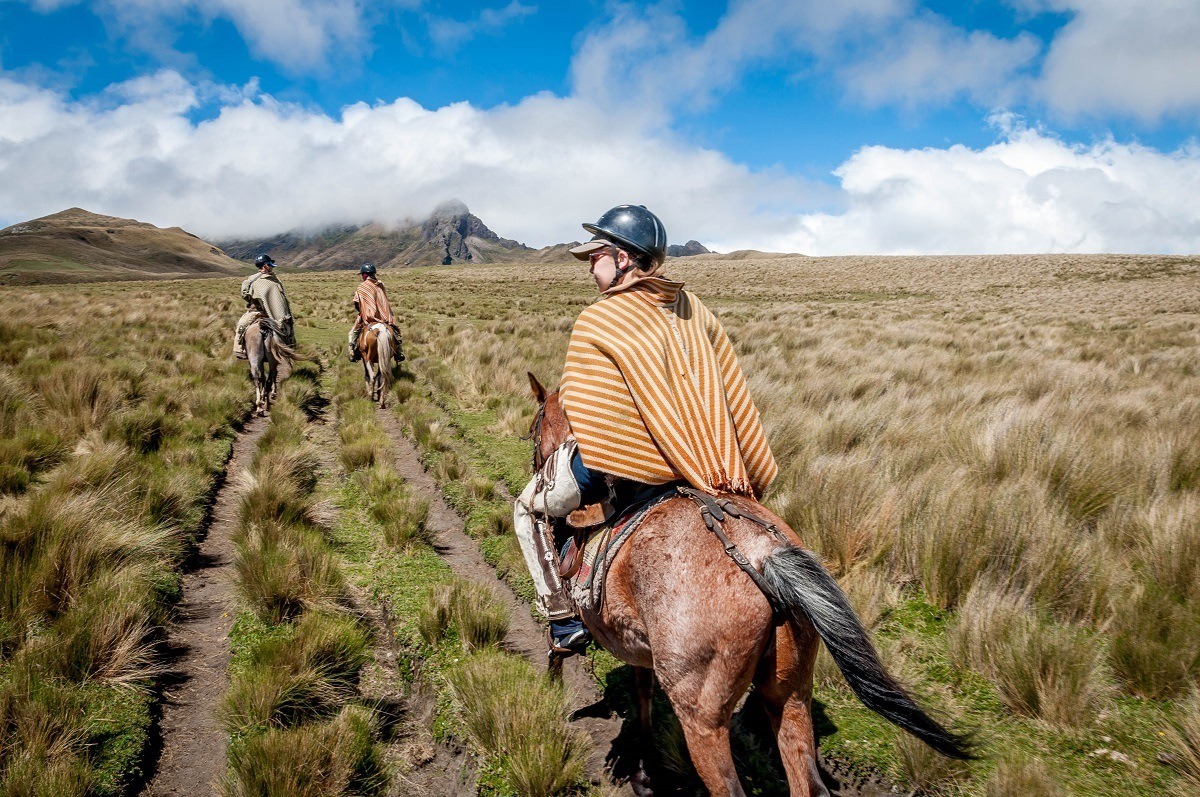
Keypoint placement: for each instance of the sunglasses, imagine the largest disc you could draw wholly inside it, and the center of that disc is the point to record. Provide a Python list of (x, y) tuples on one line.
[(594, 257)]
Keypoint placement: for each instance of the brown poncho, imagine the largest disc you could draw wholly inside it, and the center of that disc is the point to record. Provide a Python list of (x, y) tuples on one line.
[(654, 393)]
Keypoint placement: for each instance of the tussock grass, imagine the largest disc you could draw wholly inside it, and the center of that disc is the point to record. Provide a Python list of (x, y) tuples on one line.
[(320, 760), (1155, 641), (284, 570), (1184, 738), (1042, 670), (925, 770), (405, 519), (1027, 777), (306, 673), (510, 709), (471, 610)]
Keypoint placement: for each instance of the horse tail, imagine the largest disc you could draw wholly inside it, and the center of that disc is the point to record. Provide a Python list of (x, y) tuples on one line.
[(808, 592), (383, 342), (273, 342)]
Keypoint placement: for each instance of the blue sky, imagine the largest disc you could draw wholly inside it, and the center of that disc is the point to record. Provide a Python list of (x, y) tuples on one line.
[(865, 126)]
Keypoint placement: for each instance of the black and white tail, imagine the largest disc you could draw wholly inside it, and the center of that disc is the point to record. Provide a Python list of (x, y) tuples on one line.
[(808, 591)]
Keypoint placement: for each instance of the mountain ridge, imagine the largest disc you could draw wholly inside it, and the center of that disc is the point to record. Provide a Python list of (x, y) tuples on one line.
[(77, 245)]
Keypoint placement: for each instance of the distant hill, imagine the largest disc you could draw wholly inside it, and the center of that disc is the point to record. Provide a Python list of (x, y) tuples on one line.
[(78, 246), (452, 235)]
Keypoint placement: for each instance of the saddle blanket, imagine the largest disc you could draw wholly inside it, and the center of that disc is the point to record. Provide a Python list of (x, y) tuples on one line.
[(587, 586)]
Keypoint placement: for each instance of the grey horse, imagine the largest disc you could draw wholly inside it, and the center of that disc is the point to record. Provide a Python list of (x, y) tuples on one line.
[(266, 351)]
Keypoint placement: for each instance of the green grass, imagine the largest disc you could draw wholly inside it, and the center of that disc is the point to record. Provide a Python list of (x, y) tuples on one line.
[(290, 709), (109, 457)]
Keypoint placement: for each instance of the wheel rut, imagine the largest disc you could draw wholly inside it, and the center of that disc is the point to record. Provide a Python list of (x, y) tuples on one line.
[(525, 636), (193, 744)]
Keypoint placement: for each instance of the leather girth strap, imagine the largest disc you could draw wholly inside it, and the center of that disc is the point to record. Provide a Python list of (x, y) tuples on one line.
[(714, 510)]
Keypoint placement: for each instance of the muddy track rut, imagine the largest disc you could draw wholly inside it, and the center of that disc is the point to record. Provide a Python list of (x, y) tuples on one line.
[(525, 636), (193, 744)]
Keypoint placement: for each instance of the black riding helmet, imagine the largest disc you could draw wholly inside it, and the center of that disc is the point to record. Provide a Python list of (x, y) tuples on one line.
[(263, 260), (635, 228), (367, 268)]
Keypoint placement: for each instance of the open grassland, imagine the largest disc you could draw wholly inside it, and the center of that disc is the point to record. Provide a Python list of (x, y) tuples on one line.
[(998, 457), (117, 409)]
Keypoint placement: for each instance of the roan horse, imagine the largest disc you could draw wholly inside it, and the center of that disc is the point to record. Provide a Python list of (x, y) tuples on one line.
[(377, 344), (677, 607), (266, 351)]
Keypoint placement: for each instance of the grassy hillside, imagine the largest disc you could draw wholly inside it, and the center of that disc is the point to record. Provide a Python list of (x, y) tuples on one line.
[(78, 246)]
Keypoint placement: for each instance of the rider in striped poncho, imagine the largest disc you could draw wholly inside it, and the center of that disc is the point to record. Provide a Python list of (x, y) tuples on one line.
[(371, 302), (654, 395)]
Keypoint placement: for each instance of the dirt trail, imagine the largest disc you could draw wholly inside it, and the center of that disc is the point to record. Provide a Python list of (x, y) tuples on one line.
[(525, 636), (193, 744)]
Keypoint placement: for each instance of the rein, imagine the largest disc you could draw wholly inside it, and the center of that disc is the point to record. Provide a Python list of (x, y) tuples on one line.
[(535, 434)]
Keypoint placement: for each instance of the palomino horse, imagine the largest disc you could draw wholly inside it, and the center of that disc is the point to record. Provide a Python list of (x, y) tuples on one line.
[(266, 351), (678, 607), (377, 343)]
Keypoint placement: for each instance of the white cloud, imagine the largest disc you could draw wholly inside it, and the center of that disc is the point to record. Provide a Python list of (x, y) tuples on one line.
[(535, 170), (1117, 56), (532, 171), (299, 35), (926, 60), (883, 51), (1030, 192), (448, 33)]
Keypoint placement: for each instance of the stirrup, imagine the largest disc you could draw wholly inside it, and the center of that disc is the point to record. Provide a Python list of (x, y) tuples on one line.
[(572, 644)]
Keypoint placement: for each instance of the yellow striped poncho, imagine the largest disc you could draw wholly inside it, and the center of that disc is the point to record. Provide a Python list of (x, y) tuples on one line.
[(654, 393)]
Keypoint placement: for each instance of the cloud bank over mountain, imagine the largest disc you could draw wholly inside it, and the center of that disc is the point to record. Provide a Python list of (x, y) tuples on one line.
[(232, 161)]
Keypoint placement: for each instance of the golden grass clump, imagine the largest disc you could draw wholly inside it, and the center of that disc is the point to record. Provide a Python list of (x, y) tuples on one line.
[(471, 610), (308, 672), (510, 709), (1052, 672), (314, 760), (1022, 777), (1184, 738)]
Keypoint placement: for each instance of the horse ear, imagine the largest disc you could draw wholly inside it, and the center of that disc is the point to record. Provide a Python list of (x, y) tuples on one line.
[(539, 392)]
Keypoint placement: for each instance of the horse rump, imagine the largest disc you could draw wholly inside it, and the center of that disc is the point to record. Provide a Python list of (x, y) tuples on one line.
[(273, 336), (807, 591)]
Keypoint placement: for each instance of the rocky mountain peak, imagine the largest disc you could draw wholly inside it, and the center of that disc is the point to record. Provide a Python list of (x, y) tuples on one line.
[(448, 228), (687, 250)]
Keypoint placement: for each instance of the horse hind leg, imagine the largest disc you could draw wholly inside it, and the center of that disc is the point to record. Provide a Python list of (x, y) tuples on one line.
[(784, 680), (705, 714), (708, 747)]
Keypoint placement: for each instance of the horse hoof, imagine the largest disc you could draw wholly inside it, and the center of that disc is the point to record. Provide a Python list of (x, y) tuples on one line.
[(640, 782)]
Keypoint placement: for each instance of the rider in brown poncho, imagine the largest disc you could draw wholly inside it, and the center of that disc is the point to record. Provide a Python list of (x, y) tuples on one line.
[(264, 296), (654, 396)]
